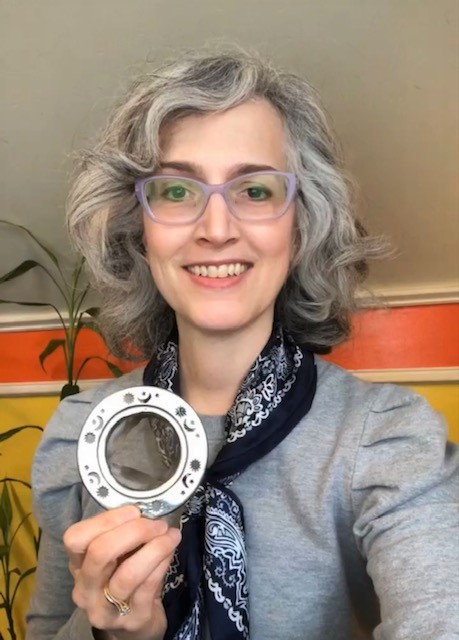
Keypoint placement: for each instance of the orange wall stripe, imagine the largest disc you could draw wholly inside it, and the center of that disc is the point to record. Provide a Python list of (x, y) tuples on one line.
[(402, 338), (20, 357), (396, 338)]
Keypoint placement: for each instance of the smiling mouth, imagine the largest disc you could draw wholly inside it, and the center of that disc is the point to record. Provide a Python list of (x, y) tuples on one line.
[(218, 271)]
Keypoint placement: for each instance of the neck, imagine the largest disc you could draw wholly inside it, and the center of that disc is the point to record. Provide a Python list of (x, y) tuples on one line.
[(214, 365)]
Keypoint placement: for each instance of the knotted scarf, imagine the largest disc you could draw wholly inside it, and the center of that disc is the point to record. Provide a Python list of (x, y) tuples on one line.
[(207, 578)]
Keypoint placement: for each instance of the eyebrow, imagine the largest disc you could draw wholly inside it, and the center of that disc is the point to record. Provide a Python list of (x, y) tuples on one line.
[(197, 171)]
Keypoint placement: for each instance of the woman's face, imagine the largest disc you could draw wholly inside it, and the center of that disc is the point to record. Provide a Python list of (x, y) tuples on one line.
[(214, 148)]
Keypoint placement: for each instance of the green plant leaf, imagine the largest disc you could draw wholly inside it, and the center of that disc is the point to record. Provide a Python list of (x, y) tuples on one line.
[(4, 549), (48, 251), (12, 432), (23, 482), (36, 542), (29, 304), (49, 349), (20, 525), (93, 326), (25, 266), (16, 571), (77, 271), (79, 299), (116, 371), (80, 323), (23, 576), (6, 511), (93, 312)]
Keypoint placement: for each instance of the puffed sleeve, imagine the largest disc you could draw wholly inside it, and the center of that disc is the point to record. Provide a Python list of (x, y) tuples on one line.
[(405, 498), (57, 491)]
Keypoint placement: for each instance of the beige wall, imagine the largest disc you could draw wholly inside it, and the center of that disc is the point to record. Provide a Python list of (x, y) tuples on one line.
[(387, 69)]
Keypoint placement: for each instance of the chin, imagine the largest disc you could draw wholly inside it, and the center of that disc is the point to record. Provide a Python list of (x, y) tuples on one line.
[(224, 326), (219, 322), (225, 323)]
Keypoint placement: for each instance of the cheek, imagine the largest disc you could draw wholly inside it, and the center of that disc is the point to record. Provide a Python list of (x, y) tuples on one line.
[(156, 257), (282, 242), (292, 241), (153, 263), (161, 245)]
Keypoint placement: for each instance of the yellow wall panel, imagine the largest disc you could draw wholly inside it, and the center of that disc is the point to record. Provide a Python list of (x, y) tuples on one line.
[(444, 397), (15, 461)]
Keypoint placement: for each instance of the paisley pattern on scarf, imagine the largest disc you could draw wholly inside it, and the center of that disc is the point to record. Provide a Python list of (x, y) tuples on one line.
[(174, 576), (225, 559), (268, 381), (192, 627), (207, 578), (166, 439), (167, 359)]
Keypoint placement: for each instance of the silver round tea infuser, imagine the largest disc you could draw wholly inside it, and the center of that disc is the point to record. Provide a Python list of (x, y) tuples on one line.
[(107, 416)]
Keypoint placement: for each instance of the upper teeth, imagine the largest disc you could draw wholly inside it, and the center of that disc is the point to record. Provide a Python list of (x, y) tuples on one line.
[(220, 271)]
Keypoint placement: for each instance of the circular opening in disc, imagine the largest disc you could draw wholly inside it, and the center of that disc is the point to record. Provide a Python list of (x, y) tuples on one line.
[(143, 451)]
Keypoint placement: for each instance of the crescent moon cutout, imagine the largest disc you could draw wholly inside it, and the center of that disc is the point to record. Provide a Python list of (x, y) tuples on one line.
[(146, 399), (93, 476), (99, 421)]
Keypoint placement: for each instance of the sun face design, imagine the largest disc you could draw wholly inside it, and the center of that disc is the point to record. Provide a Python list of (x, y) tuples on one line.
[(195, 465), (89, 438), (128, 398), (180, 411), (102, 492)]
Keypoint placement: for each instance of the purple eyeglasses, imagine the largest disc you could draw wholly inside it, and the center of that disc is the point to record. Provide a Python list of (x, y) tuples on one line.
[(254, 197)]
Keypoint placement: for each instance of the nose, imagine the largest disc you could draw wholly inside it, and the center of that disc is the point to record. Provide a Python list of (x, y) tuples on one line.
[(217, 225)]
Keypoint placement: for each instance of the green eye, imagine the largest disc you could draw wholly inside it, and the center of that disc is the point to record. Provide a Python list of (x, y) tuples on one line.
[(258, 193), (176, 193)]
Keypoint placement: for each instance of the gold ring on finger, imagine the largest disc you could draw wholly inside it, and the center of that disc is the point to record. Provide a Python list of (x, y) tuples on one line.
[(122, 606)]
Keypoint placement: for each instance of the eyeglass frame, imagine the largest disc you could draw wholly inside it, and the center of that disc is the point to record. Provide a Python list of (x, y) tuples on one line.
[(210, 189)]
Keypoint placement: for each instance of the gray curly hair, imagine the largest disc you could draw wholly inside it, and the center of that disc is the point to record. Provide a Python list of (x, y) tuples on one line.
[(105, 219)]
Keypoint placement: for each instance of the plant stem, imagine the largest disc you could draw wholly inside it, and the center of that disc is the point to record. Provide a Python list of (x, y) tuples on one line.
[(7, 595), (60, 289), (9, 616)]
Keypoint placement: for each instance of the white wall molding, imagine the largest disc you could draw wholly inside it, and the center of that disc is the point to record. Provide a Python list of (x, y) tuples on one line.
[(415, 376), (406, 296), (31, 321), (53, 388), (411, 376)]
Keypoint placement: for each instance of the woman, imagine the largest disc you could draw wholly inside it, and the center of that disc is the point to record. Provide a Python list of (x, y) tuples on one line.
[(215, 219)]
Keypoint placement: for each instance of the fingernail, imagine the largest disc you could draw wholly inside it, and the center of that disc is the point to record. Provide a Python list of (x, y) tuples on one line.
[(163, 526), (175, 535)]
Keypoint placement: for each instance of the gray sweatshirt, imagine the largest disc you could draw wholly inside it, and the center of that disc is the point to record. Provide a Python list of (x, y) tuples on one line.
[(351, 522)]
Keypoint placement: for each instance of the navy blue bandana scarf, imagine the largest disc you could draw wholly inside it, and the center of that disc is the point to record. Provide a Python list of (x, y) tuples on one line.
[(207, 578)]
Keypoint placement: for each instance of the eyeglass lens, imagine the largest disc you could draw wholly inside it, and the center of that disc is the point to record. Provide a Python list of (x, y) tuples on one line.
[(250, 197)]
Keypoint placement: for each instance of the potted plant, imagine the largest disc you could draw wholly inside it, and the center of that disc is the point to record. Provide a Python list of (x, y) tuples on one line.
[(73, 315), (10, 527)]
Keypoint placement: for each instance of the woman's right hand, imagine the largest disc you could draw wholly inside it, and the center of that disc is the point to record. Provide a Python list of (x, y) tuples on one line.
[(129, 555)]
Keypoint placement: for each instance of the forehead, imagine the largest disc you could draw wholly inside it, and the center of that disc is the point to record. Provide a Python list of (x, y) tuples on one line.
[(252, 132)]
